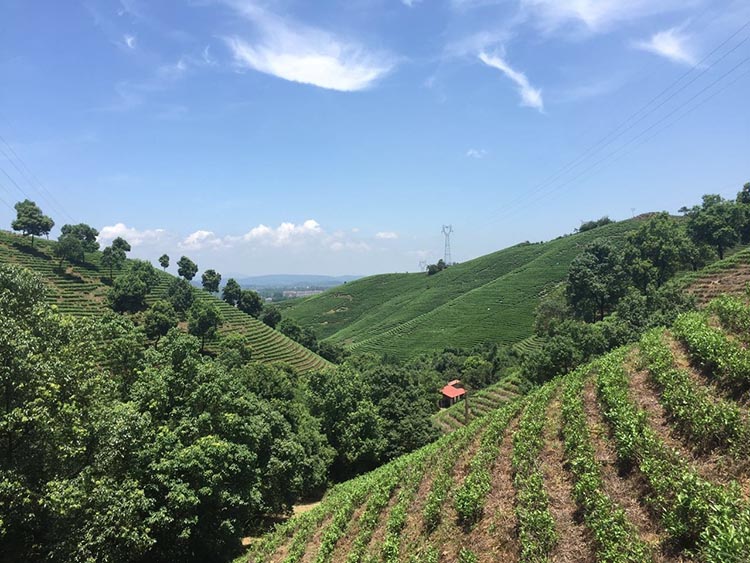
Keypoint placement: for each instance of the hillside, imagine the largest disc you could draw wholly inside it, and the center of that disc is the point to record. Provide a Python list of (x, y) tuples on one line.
[(81, 291), (639, 456), (490, 298)]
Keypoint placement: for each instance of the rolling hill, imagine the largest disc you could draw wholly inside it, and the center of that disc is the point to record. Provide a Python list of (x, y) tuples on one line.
[(639, 456), (490, 298), (81, 291)]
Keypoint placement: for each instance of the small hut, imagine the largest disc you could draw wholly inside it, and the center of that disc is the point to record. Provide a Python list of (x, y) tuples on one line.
[(452, 393)]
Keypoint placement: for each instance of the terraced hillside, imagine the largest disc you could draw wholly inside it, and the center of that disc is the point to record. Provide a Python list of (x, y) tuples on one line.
[(730, 275), (81, 291), (480, 403), (491, 298), (639, 456)]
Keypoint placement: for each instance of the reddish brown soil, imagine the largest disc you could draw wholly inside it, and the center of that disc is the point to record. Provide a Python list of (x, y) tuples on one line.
[(574, 543), (731, 281)]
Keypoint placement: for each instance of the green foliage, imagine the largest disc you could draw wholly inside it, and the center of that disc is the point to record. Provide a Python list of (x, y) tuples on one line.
[(250, 303), (164, 261), (713, 519), (433, 269), (535, 523), (271, 316), (204, 319), (84, 233), (128, 294), (727, 359), (186, 268), (30, 220), (616, 538), (708, 422), (69, 248), (590, 225), (159, 319), (232, 292), (211, 280), (469, 498), (716, 222), (180, 295), (596, 281)]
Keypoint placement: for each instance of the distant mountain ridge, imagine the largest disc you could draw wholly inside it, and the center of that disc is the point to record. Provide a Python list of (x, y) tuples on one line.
[(294, 280)]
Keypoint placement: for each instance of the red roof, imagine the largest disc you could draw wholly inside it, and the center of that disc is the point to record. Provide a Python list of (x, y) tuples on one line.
[(454, 383), (452, 392)]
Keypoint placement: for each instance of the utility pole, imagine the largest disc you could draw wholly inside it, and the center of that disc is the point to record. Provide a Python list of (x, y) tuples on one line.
[(447, 230)]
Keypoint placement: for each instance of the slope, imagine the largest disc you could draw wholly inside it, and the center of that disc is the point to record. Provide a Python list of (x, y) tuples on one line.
[(81, 291), (639, 456), (490, 298)]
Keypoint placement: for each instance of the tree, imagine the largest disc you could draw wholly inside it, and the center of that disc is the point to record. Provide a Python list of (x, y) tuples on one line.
[(158, 319), (30, 220), (204, 319), (595, 280), (716, 222), (250, 302), (180, 295), (211, 280), (164, 261), (128, 294), (232, 292), (433, 269), (84, 233), (69, 248), (744, 194), (186, 268), (657, 250), (270, 316), (146, 272), (121, 244)]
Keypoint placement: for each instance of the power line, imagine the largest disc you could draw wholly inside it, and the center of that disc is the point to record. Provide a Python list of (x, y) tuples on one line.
[(632, 140), (616, 133)]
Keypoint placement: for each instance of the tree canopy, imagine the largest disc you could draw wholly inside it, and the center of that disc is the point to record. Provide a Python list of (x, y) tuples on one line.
[(186, 268), (211, 280), (30, 220)]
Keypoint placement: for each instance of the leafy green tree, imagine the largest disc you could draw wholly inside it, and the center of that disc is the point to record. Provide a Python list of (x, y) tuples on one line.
[(232, 292), (250, 302), (159, 319), (128, 294), (121, 244), (433, 269), (477, 372), (84, 233), (146, 272), (291, 329), (715, 222), (270, 316), (211, 280), (235, 350), (164, 261), (744, 194), (180, 295), (69, 248), (657, 250), (204, 319), (334, 353), (595, 280), (30, 220), (186, 268)]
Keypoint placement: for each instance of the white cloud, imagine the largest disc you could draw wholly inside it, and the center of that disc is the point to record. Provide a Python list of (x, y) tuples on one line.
[(410, 3), (671, 44), (200, 240), (386, 235), (530, 96), (476, 153), (284, 235), (595, 15), (357, 246), (305, 54), (130, 234), (129, 41)]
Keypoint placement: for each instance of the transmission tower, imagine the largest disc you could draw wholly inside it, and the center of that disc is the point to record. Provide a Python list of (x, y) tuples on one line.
[(447, 230), (422, 265)]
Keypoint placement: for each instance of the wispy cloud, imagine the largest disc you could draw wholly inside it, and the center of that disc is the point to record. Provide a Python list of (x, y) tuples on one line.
[(386, 235), (134, 236), (129, 41), (594, 15), (410, 3), (671, 43), (530, 96), (476, 153), (304, 54)]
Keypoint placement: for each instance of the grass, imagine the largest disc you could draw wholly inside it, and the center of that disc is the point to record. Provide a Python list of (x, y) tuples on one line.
[(81, 291), (490, 298)]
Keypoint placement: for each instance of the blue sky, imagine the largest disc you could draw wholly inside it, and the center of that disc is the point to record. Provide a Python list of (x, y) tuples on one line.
[(337, 137)]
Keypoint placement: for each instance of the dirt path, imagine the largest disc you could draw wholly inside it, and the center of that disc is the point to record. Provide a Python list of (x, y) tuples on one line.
[(495, 537), (574, 543), (628, 490)]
